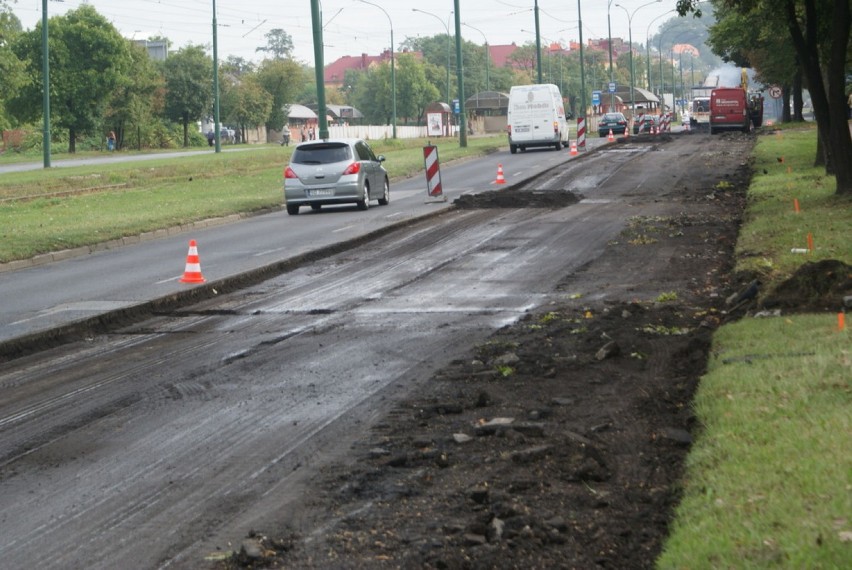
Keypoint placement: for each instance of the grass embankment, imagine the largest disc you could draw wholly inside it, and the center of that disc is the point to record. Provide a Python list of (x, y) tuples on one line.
[(61, 208), (769, 478)]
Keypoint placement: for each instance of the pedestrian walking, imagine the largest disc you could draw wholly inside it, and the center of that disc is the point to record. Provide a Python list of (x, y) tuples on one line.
[(111, 141)]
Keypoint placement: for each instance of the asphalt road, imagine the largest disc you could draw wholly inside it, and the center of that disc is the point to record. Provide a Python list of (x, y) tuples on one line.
[(75, 286), (161, 443)]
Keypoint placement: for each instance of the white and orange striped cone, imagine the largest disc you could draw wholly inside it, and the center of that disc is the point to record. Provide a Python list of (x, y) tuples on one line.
[(192, 272), (627, 131), (573, 148), (500, 179), (610, 137)]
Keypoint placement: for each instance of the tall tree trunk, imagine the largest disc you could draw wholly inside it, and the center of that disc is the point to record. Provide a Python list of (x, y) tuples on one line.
[(840, 138), (72, 141), (829, 103), (185, 130), (798, 102)]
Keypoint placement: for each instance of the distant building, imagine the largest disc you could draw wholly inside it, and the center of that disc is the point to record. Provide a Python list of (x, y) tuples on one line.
[(335, 72), (157, 50), (500, 55)]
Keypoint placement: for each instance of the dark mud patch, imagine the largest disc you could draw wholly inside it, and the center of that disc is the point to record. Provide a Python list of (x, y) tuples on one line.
[(517, 199), (559, 442), (815, 286)]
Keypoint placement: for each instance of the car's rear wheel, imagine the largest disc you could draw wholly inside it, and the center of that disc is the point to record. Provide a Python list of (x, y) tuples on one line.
[(513, 149), (293, 209), (385, 199), (365, 203)]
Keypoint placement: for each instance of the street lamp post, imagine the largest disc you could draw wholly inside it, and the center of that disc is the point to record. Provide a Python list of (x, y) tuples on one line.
[(630, 33), (216, 84), (446, 27), (609, 43), (393, 65), (487, 83), (537, 43), (460, 77), (648, 47), (45, 71), (582, 69)]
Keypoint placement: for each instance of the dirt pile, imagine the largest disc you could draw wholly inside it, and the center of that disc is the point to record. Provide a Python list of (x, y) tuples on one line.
[(560, 442), (816, 286)]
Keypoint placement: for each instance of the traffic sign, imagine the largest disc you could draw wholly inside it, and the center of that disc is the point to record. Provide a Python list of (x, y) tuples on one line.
[(775, 92), (596, 97), (612, 87)]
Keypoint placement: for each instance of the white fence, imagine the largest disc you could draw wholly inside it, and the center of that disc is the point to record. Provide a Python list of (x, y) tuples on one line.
[(375, 132)]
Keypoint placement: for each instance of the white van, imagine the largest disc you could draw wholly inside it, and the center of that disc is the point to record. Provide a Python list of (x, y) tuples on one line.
[(536, 117)]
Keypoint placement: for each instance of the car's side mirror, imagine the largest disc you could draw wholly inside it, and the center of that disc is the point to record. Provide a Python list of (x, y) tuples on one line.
[(381, 158)]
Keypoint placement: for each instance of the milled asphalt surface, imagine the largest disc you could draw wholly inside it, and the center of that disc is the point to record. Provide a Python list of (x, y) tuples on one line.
[(68, 294)]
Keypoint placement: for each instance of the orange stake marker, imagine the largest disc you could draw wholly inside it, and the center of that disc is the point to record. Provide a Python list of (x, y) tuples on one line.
[(841, 321), (810, 241), (796, 205)]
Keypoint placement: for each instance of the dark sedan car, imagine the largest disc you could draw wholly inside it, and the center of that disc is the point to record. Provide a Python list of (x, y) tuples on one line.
[(615, 121), (650, 121)]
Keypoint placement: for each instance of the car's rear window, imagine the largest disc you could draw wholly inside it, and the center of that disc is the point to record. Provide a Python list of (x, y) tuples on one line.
[(321, 154)]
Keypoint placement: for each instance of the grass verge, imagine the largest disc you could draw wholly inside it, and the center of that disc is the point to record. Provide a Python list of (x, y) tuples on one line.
[(61, 208), (769, 479)]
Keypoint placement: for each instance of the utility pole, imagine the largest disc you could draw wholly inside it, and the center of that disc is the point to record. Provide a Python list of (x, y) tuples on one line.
[(45, 71), (460, 78), (216, 83), (319, 70), (537, 42)]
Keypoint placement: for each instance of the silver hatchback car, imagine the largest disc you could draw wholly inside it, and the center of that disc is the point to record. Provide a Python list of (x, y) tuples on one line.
[(335, 171)]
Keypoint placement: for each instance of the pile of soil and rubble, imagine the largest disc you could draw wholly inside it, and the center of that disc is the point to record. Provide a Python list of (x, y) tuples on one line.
[(560, 442)]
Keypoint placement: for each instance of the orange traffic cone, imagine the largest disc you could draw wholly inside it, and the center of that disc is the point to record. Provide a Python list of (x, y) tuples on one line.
[(192, 273), (627, 132), (500, 179), (610, 137), (573, 148)]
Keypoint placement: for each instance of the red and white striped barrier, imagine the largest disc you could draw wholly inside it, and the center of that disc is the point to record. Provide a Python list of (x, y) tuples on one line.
[(641, 123), (581, 133), (434, 190)]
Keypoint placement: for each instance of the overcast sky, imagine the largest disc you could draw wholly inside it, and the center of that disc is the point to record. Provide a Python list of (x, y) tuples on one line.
[(352, 27)]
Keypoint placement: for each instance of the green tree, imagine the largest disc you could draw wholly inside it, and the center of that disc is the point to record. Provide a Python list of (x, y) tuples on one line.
[(820, 32), (246, 104), (280, 78), (372, 94), (236, 65), (189, 86), (769, 52), (523, 61), (413, 90), (11, 67), (137, 98), (279, 44), (88, 58)]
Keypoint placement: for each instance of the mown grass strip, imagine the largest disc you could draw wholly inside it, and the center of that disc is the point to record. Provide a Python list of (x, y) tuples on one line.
[(784, 173), (769, 479), (60, 208)]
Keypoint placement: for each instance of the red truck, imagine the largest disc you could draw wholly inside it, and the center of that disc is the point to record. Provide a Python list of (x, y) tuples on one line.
[(729, 110)]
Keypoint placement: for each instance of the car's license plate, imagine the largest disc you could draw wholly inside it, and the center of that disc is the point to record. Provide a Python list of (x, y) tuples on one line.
[(320, 192), (522, 129)]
